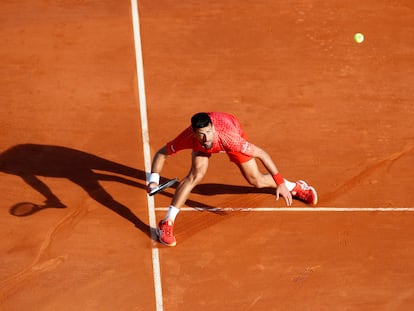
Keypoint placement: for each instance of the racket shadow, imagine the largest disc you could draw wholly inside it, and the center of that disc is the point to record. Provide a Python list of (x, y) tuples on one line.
[(24, 209), (216, 189), (209, 189)]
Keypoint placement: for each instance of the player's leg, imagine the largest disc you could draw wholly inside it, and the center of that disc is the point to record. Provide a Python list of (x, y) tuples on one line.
[(253, 176), (197, 171), (199, 165), (300, 190)]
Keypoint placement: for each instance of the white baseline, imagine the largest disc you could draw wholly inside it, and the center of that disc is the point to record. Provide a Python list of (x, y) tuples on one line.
[(292, 209)]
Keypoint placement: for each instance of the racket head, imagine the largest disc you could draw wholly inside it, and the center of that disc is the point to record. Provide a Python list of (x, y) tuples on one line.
[(163, 186)]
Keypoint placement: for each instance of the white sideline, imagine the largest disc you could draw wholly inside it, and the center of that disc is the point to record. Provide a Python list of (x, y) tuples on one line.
[(147, 153), (292, 209)]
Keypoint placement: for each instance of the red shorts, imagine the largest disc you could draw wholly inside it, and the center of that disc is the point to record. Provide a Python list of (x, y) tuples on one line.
[(235, 157), (238, 157)]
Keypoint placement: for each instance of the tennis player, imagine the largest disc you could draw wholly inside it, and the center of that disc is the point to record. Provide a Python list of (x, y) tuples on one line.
[(215, 132)]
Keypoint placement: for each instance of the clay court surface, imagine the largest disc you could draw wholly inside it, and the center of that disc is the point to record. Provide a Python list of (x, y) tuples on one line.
[(74, 213)]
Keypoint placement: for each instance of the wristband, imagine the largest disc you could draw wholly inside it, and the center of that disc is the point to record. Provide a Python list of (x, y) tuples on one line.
[(154, 177), (278, 179)]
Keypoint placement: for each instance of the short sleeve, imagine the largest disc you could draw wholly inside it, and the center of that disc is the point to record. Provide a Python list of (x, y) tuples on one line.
[(185, 140)]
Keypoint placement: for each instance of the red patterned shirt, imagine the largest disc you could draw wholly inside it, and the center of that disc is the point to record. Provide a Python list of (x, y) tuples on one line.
[(228, 137)]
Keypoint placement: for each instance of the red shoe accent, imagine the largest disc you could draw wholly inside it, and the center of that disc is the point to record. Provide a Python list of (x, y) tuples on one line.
[(165, 233), (305, 193)]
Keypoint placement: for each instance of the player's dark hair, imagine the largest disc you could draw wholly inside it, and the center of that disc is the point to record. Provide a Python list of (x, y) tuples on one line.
[(200, 120)]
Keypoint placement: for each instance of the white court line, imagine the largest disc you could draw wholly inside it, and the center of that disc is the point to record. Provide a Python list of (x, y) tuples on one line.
[(292, 209), (147, 153)]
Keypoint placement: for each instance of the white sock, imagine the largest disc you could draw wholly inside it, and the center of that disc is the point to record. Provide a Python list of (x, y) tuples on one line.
[(172, 213), (290, 185)]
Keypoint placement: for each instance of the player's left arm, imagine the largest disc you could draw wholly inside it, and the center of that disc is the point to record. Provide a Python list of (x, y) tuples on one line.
[(270, 166)]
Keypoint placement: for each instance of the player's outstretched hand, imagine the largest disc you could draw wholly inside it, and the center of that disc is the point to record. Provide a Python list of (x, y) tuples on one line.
[(151, 186), (283, 191)]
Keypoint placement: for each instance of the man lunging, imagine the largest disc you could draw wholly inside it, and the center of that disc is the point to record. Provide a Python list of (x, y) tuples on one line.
[(215, 132)]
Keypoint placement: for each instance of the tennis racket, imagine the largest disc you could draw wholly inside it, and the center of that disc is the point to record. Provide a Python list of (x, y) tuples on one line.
[(163, 186)]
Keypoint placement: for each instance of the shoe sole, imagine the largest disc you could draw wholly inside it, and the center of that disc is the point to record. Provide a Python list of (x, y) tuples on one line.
[(315, 195), (158, 233)]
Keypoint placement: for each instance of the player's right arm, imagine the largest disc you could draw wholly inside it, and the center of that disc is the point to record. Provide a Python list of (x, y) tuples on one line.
[(184, 140), (156, 168)]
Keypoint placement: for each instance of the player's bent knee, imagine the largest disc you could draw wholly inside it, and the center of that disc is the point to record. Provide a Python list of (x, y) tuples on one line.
[(195, 177), (260, 180), (255, 182)]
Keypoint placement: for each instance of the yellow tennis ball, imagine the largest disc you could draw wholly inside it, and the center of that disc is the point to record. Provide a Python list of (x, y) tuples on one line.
[(358, 37)]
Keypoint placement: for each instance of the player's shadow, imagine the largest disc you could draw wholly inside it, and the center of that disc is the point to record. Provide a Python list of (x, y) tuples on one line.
[(29, 161)]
